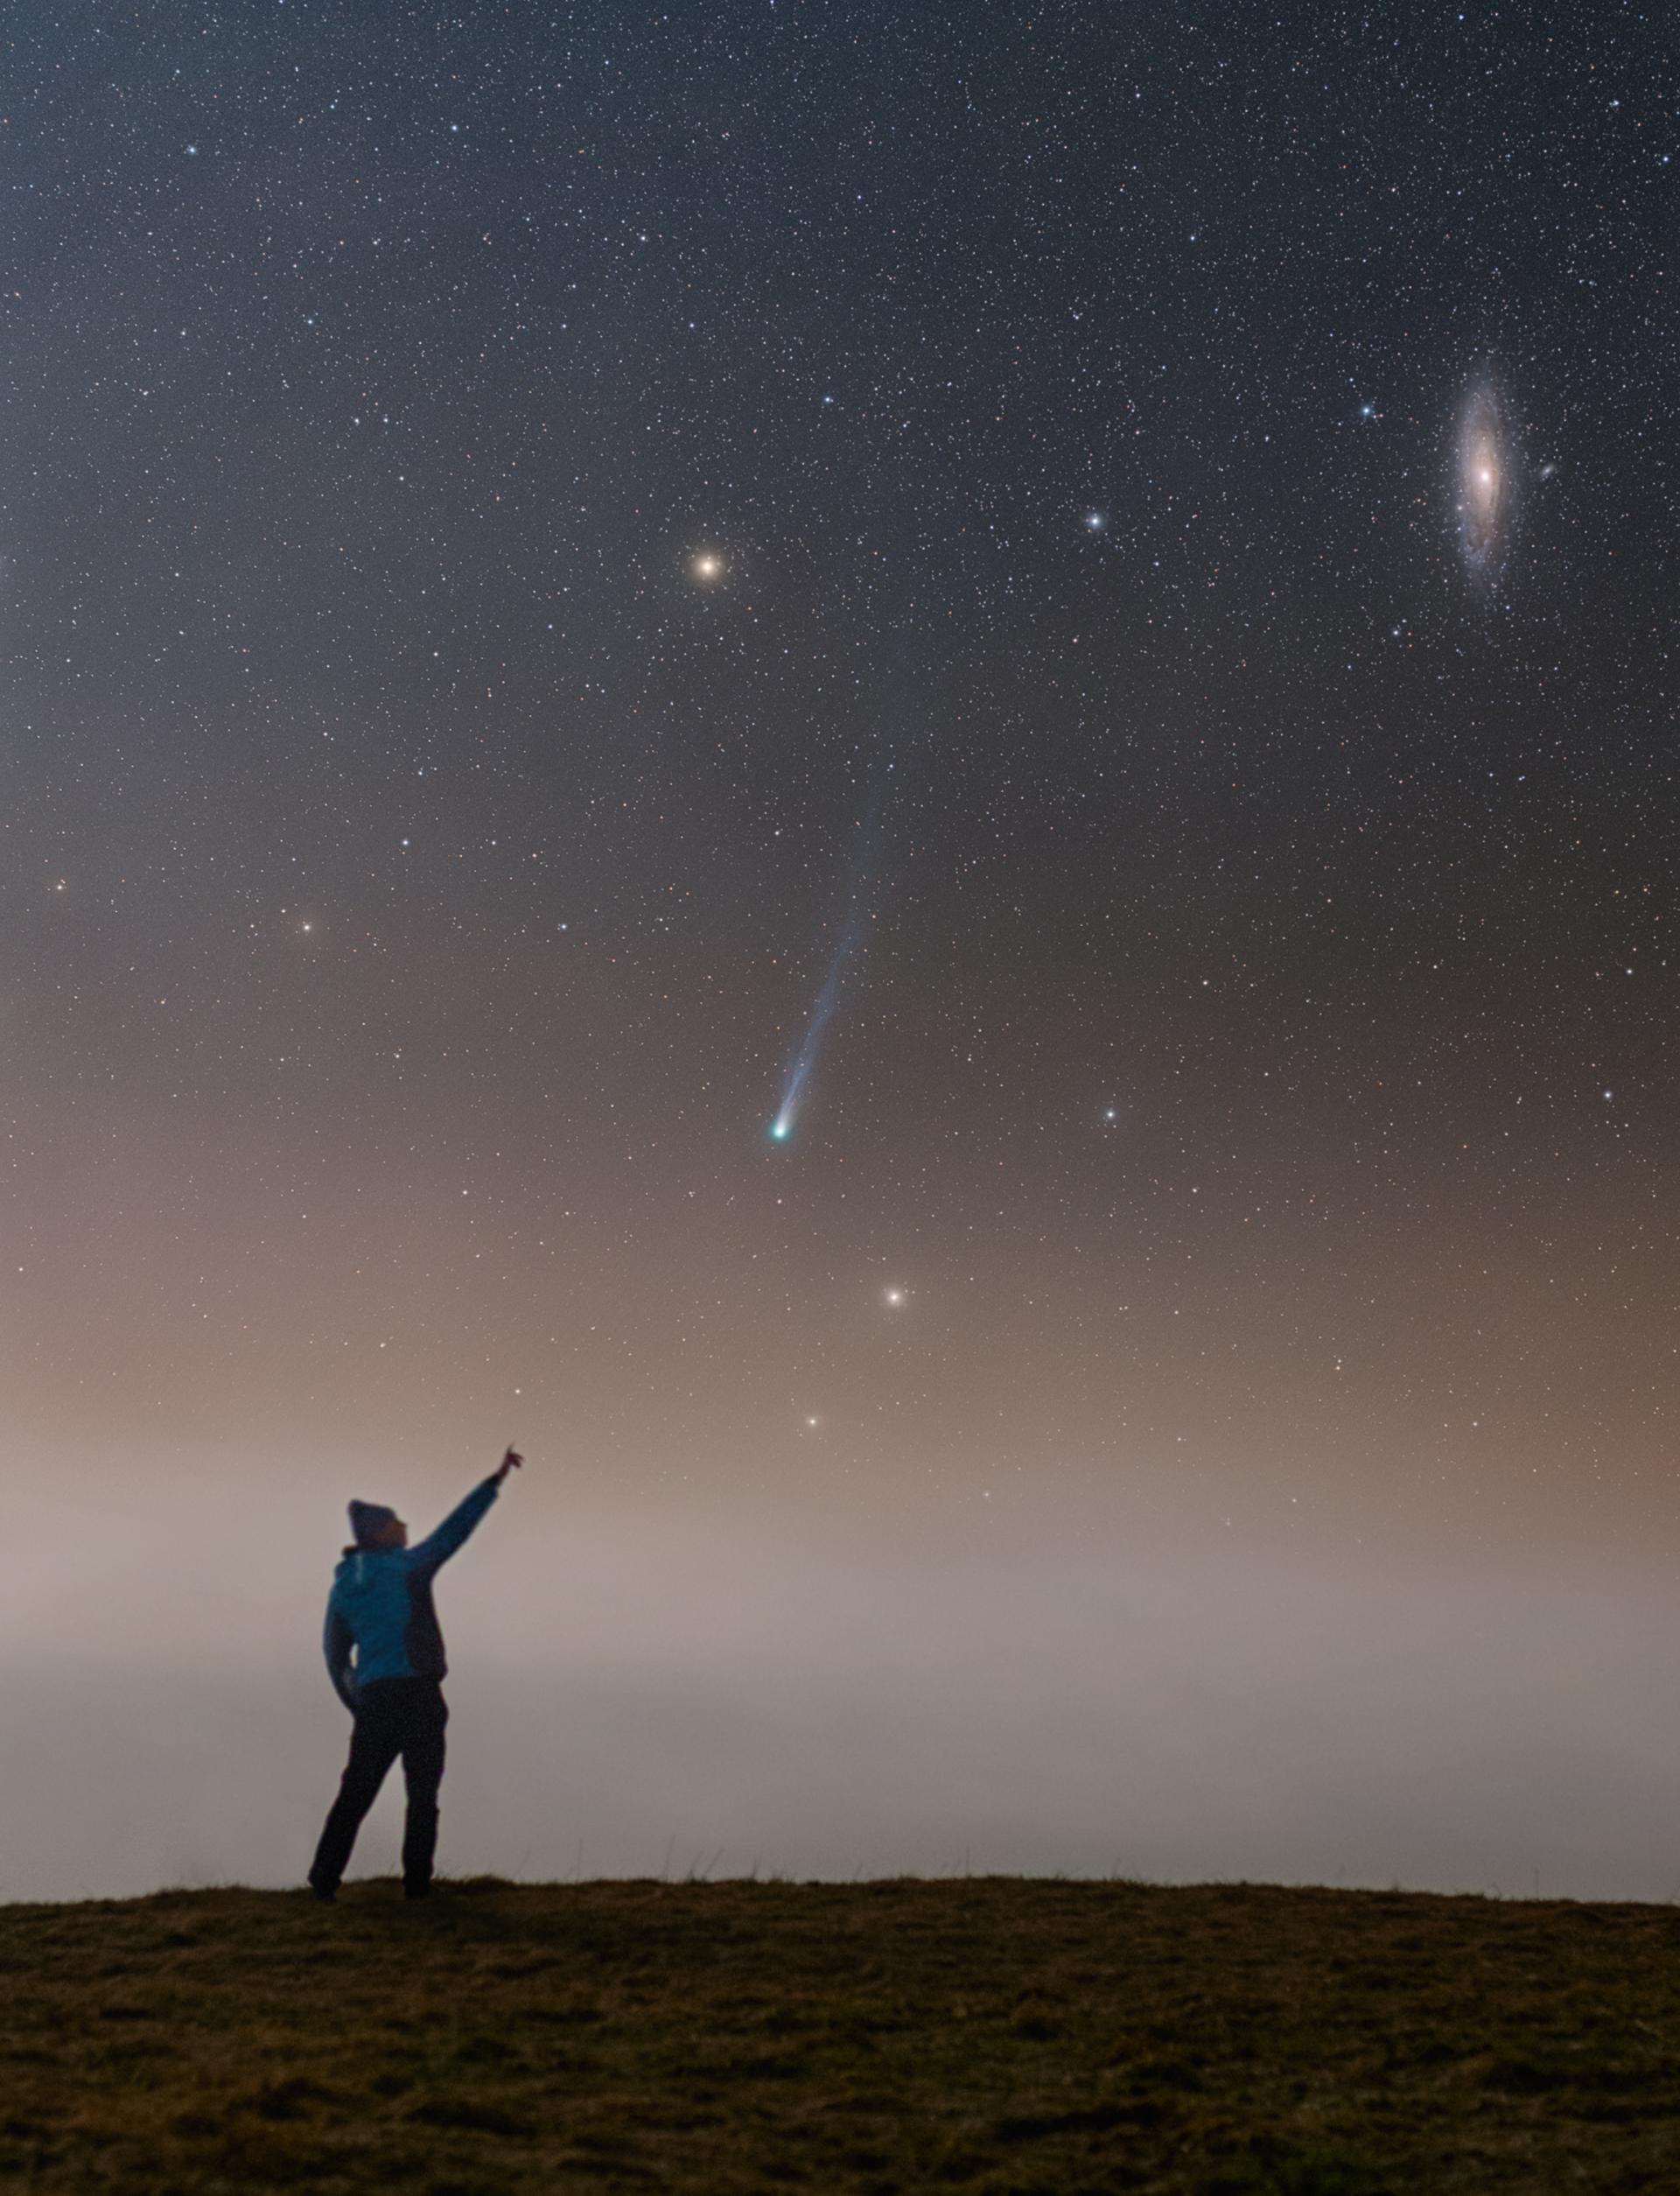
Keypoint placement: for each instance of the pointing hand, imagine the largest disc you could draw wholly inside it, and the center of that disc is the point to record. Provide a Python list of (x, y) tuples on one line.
[(511, 1462)]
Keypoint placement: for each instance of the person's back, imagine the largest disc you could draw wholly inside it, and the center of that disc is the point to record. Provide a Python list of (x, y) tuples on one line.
[(385, 1656), (380, 1603)]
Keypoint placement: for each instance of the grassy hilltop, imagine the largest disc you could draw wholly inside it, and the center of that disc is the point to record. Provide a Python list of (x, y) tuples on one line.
[(982, 2035)]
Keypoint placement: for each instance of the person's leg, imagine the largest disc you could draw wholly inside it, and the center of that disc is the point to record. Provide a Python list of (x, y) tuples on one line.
[(373, 1745), (423, 1771)]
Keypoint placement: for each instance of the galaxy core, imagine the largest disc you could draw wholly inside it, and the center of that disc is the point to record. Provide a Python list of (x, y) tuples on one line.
[(1483, 484)]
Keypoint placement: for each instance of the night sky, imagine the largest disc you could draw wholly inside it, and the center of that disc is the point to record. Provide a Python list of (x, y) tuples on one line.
[(1074, 609)]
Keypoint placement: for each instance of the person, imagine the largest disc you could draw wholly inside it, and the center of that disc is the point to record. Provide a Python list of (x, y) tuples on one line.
[(381, 1610)]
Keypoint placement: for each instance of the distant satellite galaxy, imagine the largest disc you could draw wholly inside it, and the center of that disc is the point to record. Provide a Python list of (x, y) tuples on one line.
[(1485, 479)]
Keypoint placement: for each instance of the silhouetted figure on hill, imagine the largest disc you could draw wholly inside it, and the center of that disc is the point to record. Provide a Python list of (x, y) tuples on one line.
[(380, 1610)]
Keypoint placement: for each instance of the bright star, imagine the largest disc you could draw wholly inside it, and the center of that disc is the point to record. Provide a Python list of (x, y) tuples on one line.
[(707, 564), (895, 1295)]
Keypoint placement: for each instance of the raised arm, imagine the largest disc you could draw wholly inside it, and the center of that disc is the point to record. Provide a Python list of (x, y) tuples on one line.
[(337, 1641), (457, 1527)]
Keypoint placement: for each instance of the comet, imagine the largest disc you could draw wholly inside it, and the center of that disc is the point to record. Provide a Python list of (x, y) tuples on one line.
[(845, 950), (821, 1014)]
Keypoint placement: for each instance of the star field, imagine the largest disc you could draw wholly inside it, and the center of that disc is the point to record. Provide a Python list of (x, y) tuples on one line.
[(487, 503)]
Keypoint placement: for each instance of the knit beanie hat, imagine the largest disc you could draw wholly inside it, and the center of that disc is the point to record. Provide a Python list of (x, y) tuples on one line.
[(367, 1522)]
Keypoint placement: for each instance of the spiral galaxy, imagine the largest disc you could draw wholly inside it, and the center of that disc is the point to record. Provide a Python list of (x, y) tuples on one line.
[(1484, 480)]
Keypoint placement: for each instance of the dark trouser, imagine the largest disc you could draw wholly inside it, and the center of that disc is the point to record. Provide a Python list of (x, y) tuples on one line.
[(394, 1716)]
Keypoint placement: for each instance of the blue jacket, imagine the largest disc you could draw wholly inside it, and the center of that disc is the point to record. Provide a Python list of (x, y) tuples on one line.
[(380, 1605)]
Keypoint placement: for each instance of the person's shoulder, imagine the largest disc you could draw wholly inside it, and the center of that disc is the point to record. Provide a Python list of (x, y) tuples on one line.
[(357, 1564)]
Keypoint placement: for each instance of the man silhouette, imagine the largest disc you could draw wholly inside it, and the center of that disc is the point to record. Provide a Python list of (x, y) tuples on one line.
[(381, 1609)]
